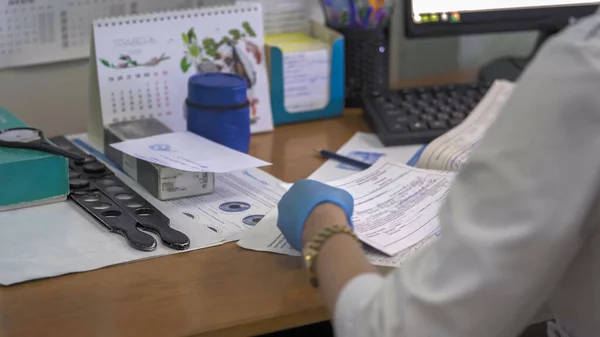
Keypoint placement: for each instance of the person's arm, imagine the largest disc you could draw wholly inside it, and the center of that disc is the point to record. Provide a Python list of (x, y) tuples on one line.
[(514, 219), (341, 258)]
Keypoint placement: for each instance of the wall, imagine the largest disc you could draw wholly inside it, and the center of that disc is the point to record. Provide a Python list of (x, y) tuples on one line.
[(51, 97), (55, 97)]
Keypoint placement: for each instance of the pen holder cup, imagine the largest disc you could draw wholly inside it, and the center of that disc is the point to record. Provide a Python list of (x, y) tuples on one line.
[(366, 60)]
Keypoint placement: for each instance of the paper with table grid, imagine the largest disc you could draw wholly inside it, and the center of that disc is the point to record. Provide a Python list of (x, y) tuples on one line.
[(42, 31), (395, 207)]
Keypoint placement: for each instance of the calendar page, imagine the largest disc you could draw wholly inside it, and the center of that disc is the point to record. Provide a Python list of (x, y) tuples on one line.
[(41, 31), (143, 62)]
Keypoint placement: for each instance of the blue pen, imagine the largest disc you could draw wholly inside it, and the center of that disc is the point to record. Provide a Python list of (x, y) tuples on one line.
[(353, 13), (365, 21), (343, 159)]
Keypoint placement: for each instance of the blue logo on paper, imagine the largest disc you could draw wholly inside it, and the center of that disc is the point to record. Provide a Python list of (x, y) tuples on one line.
[(160, 147), (364, 156)]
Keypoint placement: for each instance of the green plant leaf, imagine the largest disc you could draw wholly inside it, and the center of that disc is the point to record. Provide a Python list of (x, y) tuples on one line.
[(224, 40), (235, 33), (194, 51), (248, 29), (210, 47), (192, 36), (185, 38), (105, 62), (185, 65)]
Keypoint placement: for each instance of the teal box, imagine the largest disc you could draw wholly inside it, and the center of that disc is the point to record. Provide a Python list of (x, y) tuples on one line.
[(29, 177), (336, 79)]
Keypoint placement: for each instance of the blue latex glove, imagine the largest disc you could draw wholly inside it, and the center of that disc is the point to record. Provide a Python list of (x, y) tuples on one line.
[(297, 204)]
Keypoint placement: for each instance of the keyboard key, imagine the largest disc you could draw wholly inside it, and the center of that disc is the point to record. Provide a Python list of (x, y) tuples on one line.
[(441, 95), (454, 122), (438, 125), (380, 100), (407, 105), (406, 91), (402, 120), (399, 127), (428, 118), (423, 104), (458, 115), (426, 96), (430, 110), (414, 111), (457, 106), (443, 117), (395, 112), (446, 109), (417, 126)]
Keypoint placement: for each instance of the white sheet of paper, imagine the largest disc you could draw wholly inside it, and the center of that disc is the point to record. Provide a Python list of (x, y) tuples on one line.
[(61, 238), (306, 80), (188, 152), (332, 170), (240, 200), (280, 245), (450, 152), (396, 207), (365, 142)]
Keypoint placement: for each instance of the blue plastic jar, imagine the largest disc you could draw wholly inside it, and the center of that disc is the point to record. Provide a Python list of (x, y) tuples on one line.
[(218, 109)]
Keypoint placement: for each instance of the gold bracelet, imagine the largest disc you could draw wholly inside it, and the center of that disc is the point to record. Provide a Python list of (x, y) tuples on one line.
[(313, 247)]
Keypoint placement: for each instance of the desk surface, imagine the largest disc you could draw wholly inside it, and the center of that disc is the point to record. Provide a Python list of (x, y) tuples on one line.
[(219, 291)]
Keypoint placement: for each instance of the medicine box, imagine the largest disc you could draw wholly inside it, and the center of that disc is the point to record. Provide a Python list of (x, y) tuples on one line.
[(29, 177), (306, 70), (164, 183)]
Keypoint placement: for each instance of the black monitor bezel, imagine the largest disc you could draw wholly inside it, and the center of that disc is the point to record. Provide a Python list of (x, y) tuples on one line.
[(551, 18)]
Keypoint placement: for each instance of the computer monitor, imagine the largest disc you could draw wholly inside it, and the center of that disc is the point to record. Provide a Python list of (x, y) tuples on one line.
[(431, 18)]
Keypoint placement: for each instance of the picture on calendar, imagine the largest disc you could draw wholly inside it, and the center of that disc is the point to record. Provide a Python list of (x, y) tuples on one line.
[(233, 53), (144, 62)]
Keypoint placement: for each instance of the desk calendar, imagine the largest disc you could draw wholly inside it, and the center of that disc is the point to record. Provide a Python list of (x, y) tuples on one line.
[(41, 31), (141, 63)]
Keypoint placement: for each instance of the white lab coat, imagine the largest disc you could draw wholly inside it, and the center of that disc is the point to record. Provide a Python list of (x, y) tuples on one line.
[(521, 224)]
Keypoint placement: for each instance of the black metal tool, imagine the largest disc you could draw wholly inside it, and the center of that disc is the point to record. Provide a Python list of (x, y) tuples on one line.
[(115, 205), (33, 139)]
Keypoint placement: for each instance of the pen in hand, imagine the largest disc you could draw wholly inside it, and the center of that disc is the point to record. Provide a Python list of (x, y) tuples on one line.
[(343, 159)]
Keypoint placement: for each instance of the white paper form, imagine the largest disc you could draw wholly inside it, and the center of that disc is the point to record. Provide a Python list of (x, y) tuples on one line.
[(241, 199), (365, 146), (306, 80), (64, 239), (188, 152), (42, 31), (450, 152), (396, 206)]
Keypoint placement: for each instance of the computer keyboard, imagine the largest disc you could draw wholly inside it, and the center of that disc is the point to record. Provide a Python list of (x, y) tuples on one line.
[(418, 115)]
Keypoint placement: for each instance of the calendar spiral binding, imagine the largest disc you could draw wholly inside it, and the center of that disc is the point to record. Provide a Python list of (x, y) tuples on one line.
[(178, 14)]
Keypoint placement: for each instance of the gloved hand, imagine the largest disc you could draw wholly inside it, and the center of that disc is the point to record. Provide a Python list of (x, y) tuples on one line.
[(297, 204)]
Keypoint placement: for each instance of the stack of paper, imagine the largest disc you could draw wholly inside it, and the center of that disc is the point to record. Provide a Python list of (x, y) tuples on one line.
[(306, 70), (396, 207)]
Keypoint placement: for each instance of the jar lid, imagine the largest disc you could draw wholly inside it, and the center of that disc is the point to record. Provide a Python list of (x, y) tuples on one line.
[(217, 89)]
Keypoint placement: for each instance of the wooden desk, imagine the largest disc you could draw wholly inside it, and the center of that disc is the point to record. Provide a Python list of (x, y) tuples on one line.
[(220, 291)]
